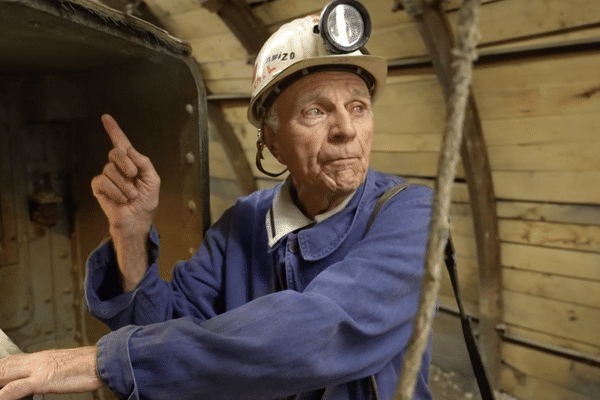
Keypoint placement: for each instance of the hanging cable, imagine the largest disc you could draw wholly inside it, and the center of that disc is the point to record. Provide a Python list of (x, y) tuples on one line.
[(464, 53)]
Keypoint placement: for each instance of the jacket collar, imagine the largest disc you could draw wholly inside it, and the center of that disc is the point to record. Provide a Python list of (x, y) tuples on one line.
[(284, 216), (318, 240)]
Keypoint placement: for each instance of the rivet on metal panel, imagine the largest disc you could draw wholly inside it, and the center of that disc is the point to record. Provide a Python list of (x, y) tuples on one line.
[(189, 108), (67, 290), (192, 205), (63, 254), (190, 158)]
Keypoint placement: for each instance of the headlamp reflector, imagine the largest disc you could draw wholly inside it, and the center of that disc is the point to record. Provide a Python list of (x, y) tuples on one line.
[(345, 26)]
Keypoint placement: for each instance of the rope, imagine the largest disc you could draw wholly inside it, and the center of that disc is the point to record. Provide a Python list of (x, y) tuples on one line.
[(464, 54)]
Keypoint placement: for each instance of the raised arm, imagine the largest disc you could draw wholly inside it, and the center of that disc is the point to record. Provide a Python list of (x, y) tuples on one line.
[(127, 191)]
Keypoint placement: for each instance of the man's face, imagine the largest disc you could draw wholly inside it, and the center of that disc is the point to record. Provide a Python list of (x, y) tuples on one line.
[(325, 132)]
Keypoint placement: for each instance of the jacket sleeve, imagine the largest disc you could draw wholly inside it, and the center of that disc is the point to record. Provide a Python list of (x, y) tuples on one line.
[(351, 321), (155, 300)]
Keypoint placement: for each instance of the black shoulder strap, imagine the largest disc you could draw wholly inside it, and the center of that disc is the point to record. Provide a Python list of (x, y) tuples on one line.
[(450, 259)]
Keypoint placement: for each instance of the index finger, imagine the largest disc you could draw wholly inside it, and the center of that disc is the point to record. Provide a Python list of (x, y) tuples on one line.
[(117, 136)]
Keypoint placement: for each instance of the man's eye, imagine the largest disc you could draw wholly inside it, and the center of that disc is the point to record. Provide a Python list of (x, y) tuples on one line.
[(358, 109), (313, 112)]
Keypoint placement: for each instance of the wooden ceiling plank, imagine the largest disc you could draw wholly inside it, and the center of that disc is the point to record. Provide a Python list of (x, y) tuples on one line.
[(242, 22)]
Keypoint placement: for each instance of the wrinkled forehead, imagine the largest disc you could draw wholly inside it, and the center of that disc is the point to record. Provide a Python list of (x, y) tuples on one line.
[(321, 84)]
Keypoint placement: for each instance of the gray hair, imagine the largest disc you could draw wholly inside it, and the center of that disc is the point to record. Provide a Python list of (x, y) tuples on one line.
[(272, 119)]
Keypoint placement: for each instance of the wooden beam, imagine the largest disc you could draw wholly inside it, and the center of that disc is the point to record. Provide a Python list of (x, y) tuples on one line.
[(437, 34), (233, 149), (242, 22)]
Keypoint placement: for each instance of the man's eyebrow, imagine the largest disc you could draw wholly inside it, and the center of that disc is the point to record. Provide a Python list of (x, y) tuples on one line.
[(309, 98)]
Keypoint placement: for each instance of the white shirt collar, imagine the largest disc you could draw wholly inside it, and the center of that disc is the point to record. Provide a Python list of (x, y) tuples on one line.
[(284, 216)]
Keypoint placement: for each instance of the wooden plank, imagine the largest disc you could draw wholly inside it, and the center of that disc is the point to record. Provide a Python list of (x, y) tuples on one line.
[(219, 47), (9, 231), (242, 22), (549, 234), (566, 320), (551, 340), (232, 148), (415, 118), (541, 87), (575, 68), (571, 290), (584, 35), (462, 225), (164, 8), (401, 42), (546, 157), (460, 192), (464, 245), (196, 23), (223, 194), (528, 387), (560, 262), (511, 21), (229, 69), (513, 18), (236, 111), (467, 280), (247, 135), (409, 86), (229, 86), (557, 371), (410, 142), (448, 301), (219, 165), (414, 163), (540, 101), (535, 211), (549, 186), (545, 129), (273, 12)]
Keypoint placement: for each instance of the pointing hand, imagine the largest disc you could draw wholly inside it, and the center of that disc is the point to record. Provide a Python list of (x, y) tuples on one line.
[(128, 187)]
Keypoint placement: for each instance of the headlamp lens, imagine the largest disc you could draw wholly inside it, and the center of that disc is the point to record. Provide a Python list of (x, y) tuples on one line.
[(345, 25)]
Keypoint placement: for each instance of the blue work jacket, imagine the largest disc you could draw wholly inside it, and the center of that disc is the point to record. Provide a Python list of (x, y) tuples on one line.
[(221, 329)]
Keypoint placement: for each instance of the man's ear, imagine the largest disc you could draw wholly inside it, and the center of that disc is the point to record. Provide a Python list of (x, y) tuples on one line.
[(272, 142)]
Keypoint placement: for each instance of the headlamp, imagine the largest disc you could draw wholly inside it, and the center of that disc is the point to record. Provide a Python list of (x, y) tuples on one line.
[(345, 26)]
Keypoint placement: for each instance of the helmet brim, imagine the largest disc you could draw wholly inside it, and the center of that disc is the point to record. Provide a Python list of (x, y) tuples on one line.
[(373, 65)]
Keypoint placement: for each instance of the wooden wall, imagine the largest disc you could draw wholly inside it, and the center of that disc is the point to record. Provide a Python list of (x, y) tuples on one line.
[(537, 87)]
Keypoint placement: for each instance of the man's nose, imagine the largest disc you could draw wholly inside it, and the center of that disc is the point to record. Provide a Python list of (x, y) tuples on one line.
[(343, 128)]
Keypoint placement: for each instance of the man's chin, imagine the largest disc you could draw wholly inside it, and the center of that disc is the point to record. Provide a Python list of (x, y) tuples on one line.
[(345, 182)]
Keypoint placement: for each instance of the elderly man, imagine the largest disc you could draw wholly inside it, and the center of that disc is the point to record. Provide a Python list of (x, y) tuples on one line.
[(290, 294)]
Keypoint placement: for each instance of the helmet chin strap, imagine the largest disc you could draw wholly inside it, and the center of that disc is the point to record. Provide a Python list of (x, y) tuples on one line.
[(260, 144)]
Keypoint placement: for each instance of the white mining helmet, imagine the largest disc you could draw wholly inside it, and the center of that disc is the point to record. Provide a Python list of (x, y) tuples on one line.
[(334, 41)]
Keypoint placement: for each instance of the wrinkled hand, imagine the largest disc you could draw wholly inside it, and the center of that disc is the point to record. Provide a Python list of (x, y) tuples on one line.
[(128, 187), (52, 371)]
